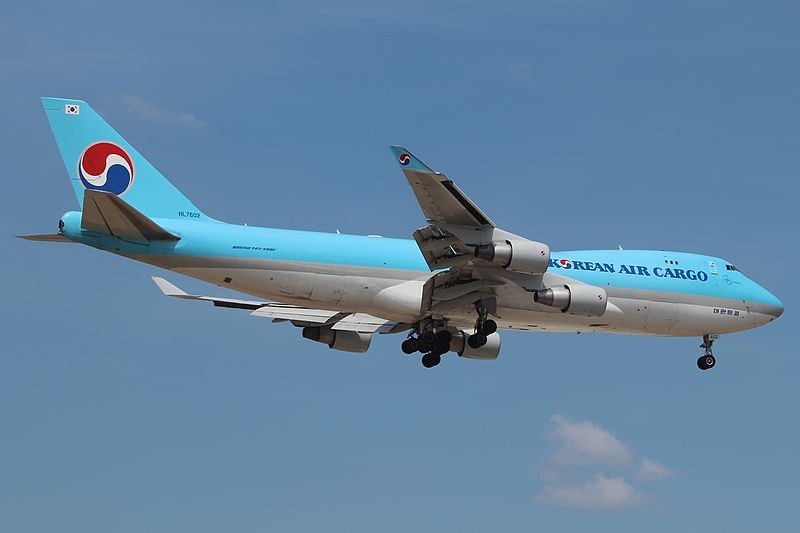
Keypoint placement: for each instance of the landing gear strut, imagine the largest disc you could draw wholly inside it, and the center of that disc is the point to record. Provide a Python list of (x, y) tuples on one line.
[(707, 360)]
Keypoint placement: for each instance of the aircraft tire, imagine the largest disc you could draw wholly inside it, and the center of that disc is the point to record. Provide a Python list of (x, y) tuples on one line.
[(706, 362), (428, 338), (441, 348), (444, 337), (409, 346), (476, 341), (430, 360), (423, 346)]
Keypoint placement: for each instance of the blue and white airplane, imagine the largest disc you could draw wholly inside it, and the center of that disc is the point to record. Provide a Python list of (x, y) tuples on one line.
[(450, 289)]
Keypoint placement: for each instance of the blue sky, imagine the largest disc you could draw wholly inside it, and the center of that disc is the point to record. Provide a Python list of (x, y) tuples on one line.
[(580, 124)]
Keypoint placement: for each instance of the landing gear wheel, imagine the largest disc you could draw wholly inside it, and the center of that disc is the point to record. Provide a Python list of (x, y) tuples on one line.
[(423, 345), (430, 360), (706, 362), (441, 348), (443, 337), (428, 338), (488, 327), (409, 346), (476, 341)]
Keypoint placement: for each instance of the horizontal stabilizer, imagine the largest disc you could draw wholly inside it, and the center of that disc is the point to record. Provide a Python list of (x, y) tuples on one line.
[(105, 212), (50, 237)]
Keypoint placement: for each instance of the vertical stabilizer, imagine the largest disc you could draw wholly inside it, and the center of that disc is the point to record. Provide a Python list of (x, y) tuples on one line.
[(98, 158)]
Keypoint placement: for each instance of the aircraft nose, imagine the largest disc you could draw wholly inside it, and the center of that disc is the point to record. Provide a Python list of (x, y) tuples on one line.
[(765, 303), (771, 305), (776, 310)]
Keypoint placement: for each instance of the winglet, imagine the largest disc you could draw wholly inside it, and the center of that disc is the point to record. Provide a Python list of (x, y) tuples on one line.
[(407, 160), (168, 288)]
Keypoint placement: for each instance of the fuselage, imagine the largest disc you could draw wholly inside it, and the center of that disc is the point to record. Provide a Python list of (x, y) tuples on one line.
[(649, 292)]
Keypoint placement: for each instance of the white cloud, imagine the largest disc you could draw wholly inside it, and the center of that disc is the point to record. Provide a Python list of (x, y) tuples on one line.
[(153, 112), (580, 445), (600, 493), (650, 470), (583, 443)]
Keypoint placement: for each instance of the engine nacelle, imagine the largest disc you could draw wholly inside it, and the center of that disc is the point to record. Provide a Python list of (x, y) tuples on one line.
[(346, 341), (583, 300), (488, 351), (526, 257)]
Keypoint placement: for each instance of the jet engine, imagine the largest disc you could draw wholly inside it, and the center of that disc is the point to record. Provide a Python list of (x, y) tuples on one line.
[(346, 341), (576, 299), (488, 351), (523, 256)]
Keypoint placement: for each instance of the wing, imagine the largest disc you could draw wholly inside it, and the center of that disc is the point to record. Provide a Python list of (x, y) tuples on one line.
[(297, 315), (443, 205), (473, 258), (456, 225), (440, 199)]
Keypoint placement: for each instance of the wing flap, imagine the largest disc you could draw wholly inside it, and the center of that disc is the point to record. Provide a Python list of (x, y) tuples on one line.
[(364, 323), (296, 314), (441, 249)]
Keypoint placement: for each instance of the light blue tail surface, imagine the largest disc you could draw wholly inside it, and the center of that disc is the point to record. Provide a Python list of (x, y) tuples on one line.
[(98, 158)]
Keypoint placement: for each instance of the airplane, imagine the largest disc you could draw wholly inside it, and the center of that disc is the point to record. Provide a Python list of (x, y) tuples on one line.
[(452, 288)]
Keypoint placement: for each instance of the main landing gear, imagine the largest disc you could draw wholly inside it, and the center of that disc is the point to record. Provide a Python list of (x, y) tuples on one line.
[(484, 327), (433, 344), (430, 337), (707, 360)]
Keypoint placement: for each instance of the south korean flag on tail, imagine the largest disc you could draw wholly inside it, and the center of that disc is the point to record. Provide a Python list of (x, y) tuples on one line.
[(72, 109)]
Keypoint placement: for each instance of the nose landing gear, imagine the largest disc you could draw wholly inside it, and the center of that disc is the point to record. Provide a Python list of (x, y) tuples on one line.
[(707, 360)]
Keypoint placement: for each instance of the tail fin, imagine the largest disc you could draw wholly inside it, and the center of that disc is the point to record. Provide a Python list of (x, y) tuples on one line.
[(98, 158)]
